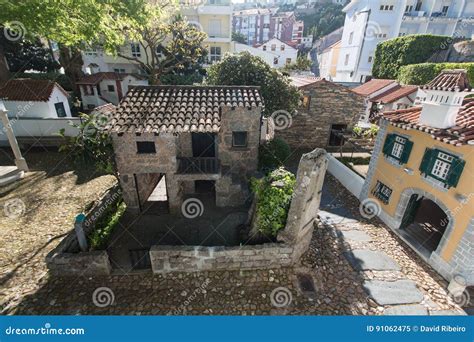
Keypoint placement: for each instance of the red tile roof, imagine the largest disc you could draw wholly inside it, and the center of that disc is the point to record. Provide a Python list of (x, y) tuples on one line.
[(462, 133), (96, 78), (27, 89), (180, 108), (301, 81), (451, 80), (372, 86), (394, 94)]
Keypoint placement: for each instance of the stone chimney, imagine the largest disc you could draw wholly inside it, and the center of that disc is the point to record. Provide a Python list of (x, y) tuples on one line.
[(443, 97)]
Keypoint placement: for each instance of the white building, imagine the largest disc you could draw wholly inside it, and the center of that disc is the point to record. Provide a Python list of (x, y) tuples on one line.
[(29, 98), (106, 87), (275, 52), (369, 22)]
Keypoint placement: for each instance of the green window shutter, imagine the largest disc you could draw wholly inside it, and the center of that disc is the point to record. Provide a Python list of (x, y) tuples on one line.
[(406, 151), (457, 166), (427, 161), (388, 145)]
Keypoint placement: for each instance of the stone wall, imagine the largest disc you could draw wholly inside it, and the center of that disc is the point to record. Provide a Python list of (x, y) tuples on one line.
[(165, 259), (330, 104)]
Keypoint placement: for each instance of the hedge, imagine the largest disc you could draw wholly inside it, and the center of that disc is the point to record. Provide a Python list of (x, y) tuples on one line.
[(419, 74), (392, 54), (273, 154)]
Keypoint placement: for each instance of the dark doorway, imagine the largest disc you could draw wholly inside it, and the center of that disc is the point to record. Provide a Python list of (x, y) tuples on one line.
[(203, 145), (335, 136), (206, 189), (424, 224)]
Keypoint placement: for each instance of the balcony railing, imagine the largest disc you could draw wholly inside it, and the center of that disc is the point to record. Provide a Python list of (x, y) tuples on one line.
[(195, 165)]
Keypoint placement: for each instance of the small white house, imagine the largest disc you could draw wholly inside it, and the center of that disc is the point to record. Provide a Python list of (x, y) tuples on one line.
[(277, 53), (106, 87), (31, 98)]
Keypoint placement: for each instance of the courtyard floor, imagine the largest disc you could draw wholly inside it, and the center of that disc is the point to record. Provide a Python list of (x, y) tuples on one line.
[(325, 283)]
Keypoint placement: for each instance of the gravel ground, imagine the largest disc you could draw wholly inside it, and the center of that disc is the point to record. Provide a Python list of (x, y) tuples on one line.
[(330, 286)]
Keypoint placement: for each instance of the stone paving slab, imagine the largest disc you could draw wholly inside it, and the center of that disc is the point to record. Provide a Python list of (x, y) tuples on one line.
[(355, 235), (393, 292), (406, 310), (446, 313), (364, 259)]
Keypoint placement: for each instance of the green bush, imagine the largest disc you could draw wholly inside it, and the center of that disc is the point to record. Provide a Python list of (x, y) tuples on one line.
[(106, 224), (273, 154), (419, 74), (273, 195), (392, 54)]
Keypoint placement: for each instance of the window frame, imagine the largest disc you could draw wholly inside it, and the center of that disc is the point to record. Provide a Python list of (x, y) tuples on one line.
[(144, 147), (61, 104), (110, 88), (234, 133), (382, 192), (135, 50)]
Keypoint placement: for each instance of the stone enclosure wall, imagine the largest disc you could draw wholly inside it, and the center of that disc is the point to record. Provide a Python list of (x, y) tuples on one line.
[(67, 259), (293, 240), (330, 103)]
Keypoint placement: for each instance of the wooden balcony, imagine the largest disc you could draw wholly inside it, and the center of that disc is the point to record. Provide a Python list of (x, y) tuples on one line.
[(196, 165)]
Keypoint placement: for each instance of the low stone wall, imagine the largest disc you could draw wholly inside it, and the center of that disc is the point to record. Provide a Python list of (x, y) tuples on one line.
[(165, 259), (348, 178), (67, 259)]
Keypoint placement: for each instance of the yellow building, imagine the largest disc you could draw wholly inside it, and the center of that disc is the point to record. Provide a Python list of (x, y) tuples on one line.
[(421, 175), (328, 61)]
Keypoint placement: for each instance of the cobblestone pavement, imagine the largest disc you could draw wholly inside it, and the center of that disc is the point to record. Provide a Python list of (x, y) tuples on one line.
[(46, 201), (324, 283)]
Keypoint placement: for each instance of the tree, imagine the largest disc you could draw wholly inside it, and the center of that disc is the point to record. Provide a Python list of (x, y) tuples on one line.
[(325, 18), (246, 69), (239, 38), (168, 46), (301, 64)]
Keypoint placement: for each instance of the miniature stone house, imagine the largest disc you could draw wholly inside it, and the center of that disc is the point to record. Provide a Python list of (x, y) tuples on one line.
[(188, 138)]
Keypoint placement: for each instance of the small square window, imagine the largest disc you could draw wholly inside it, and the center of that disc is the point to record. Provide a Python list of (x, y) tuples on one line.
[(111, 88), (382, 192), (239, 139), (306, 101), (146, 147)]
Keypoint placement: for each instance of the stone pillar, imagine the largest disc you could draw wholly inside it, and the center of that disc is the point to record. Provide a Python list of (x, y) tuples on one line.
[(129, 193), (304, 206), (20, 162), (175, 194)]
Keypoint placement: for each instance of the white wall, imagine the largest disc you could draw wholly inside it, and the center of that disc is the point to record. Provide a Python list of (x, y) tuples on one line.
[(348, 178), (269, 56), (37, 109)]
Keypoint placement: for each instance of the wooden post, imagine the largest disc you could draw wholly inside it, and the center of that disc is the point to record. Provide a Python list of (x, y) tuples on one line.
[(79, 228)]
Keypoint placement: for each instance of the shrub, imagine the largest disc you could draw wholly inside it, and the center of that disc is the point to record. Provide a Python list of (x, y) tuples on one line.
[(106, 224), (419, 74), (273, 195), (392, 54), (273, 154)]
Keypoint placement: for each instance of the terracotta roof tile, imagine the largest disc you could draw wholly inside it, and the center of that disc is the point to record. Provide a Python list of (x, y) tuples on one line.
[(462, 133), (451, 80), (372, 86), (180, 108), (27, 89), (301, 81), (394, 94)]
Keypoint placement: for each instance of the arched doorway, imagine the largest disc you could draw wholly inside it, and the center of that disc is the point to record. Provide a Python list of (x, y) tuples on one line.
[(424, 224)]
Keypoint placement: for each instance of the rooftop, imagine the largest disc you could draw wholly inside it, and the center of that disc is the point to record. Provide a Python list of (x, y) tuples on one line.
[(372, 86), (394, 94), (27, 89), (450, 80), (94, 79), (301, 81), (180, 108), (461, 134)]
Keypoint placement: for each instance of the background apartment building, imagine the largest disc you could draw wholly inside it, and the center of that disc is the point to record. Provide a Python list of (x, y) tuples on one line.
[(369, 22), (212, 16)]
